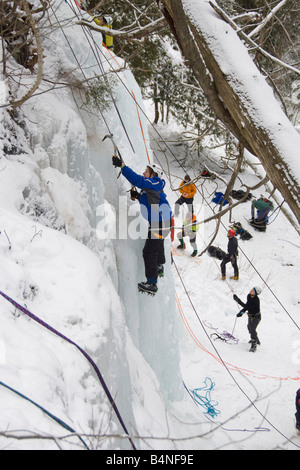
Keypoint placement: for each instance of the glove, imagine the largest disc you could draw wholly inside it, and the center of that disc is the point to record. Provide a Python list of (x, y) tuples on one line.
[(240, 314), (134, 194), (117, 162), (235, 297)]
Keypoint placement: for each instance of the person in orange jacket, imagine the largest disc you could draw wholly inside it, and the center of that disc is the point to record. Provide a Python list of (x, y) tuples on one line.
[(188, 192)]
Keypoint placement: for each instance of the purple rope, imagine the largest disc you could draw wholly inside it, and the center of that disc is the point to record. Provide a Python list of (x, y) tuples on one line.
[(98, 373)]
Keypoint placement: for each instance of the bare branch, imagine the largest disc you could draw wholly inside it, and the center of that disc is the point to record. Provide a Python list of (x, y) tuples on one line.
[(268, 18), (250, 41), (134, 34)]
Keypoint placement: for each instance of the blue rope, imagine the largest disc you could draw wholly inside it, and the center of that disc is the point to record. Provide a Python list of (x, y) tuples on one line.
[(202, 397), (58, 420)]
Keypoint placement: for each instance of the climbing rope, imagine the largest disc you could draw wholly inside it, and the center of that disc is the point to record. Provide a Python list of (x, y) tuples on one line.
[(95, 50), (90, 360), (52, 416), (202, 397)]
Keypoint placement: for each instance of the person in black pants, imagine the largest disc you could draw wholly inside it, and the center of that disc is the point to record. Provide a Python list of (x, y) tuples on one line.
[(231, 256), (156, 209), (252, 306), (154, 254), (297, 415)]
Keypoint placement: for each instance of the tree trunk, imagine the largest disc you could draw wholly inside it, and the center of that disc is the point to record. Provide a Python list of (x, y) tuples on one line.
[(230, 103)]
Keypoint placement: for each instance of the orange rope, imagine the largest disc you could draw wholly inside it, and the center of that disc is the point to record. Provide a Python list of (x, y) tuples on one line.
[(77, 4), (137, 110)]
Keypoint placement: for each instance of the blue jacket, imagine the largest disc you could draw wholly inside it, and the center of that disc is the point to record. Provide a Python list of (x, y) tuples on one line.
[(153, 200)]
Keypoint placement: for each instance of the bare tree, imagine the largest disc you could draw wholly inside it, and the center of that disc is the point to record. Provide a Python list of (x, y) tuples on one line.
[(21, 39)]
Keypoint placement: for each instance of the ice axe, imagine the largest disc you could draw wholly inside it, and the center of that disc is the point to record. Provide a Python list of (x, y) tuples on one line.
[(116, 150)]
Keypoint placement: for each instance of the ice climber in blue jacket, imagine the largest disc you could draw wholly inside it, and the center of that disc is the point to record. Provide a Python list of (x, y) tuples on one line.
[(156, 209)]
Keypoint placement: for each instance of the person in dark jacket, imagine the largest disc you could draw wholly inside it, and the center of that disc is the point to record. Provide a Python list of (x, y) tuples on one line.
[(231, 256), (156, 209), (252, 306), (297, 415)]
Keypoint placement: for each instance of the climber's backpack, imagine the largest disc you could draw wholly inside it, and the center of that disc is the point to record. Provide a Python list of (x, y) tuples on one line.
[(244, 235), (219, 199), (216, 252), (239, 194)]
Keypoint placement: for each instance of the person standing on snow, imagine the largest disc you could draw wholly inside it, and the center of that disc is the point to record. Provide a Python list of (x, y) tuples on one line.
[(190, 227), (252, 306), (231, 256), (188, 192), (297, 415), (156, 209)]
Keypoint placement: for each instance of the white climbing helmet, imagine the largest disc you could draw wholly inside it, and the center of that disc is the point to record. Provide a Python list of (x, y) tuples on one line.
[(158, 170), (257, 290), (108, 19)]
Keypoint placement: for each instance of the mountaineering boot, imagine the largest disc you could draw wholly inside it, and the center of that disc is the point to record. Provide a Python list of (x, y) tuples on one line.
[(148, 288), (182, 245), (236, 278), (258, 342), (223, 278), (194, 253), (160, 270), (253, 346)]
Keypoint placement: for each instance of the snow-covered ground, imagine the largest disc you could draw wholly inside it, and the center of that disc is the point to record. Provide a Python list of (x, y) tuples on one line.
[(62, 211), (269, 378)]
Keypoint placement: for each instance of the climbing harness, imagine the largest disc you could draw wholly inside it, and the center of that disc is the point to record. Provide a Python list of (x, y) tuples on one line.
[(90, 360), (58, 420)]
